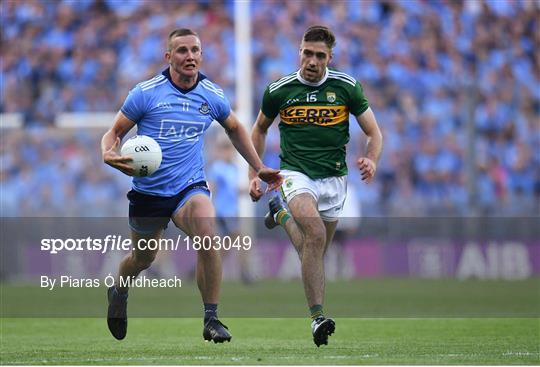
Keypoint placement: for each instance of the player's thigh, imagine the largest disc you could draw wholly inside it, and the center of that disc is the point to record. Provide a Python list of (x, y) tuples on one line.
[(303, 208), (330, 231), (145, 245), (297, 183), (197, 216)]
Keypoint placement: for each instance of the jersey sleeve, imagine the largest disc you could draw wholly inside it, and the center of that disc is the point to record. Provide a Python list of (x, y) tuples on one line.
[(358, 102), (268, 106), (134, 106), (221, 108)]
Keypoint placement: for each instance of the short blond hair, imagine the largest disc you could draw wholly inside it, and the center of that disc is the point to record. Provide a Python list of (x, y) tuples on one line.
[(179, 32)]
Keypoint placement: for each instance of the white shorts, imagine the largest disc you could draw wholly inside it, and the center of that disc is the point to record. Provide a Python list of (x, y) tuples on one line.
[(329, 192)]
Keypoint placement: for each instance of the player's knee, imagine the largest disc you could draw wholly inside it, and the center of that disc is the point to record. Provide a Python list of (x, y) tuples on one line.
[(143, 261), (204, 228), (315, 239), (313, 245), (207, 253), (207, 232)]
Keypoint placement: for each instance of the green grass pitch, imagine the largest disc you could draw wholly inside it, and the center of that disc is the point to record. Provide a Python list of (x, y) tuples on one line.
[(378, 321), (272, 341)]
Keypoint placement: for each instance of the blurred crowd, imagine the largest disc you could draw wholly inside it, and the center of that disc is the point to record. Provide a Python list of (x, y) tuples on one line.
[(455, 86)]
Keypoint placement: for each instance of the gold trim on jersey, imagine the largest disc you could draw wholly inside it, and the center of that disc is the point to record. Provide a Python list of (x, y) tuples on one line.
[(317, 115)]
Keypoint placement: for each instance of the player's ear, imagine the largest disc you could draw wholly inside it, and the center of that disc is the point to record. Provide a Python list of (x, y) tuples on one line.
[(168, 56)]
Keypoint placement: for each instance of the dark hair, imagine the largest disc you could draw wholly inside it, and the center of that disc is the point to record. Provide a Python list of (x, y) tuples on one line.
[(319, 33), (179, 32)]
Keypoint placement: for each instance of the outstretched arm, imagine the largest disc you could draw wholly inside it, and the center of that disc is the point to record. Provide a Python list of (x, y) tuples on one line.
[(110, 144), (368, 163), (258, 137), (240, 139)]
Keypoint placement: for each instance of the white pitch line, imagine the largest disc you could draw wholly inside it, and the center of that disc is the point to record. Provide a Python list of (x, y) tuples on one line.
[(521, 354)]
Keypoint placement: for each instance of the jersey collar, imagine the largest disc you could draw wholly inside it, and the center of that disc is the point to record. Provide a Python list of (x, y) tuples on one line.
[(200, 77), (320, 82)]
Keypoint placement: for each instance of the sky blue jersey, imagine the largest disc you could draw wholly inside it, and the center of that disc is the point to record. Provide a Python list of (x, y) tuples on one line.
[(177, 119)]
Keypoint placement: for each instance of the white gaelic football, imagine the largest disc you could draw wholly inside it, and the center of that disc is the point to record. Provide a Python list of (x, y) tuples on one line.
[(146, 154)]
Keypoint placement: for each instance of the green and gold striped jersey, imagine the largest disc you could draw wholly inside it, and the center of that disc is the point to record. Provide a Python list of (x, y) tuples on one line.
[(314, 120)]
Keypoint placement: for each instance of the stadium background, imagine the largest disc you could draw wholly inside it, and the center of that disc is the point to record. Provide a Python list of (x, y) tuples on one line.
[(431, 70)]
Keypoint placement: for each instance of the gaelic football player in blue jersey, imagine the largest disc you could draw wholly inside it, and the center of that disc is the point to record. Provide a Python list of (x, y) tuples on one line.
[(176, 108)]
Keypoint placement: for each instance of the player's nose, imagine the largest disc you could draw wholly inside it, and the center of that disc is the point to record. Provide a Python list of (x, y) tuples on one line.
[(190, 55)]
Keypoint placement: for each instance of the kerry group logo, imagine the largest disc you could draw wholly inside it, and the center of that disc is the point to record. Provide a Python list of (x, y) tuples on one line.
[(177, 130)]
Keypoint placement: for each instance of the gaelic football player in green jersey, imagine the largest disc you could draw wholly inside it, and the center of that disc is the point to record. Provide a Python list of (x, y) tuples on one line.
[(314, 104)]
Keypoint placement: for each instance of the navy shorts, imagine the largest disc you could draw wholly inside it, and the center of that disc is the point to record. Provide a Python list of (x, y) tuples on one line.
[(149, 213)]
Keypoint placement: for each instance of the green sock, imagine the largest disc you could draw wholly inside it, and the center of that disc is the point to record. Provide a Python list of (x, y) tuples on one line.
[(282, 217), (316, 311)]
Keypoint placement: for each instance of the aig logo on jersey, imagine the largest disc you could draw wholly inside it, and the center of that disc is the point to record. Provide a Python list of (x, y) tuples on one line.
[(176, 130), (330, 97)]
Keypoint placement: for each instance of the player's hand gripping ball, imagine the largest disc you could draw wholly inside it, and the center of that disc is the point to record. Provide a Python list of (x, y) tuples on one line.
[(145, 152)]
